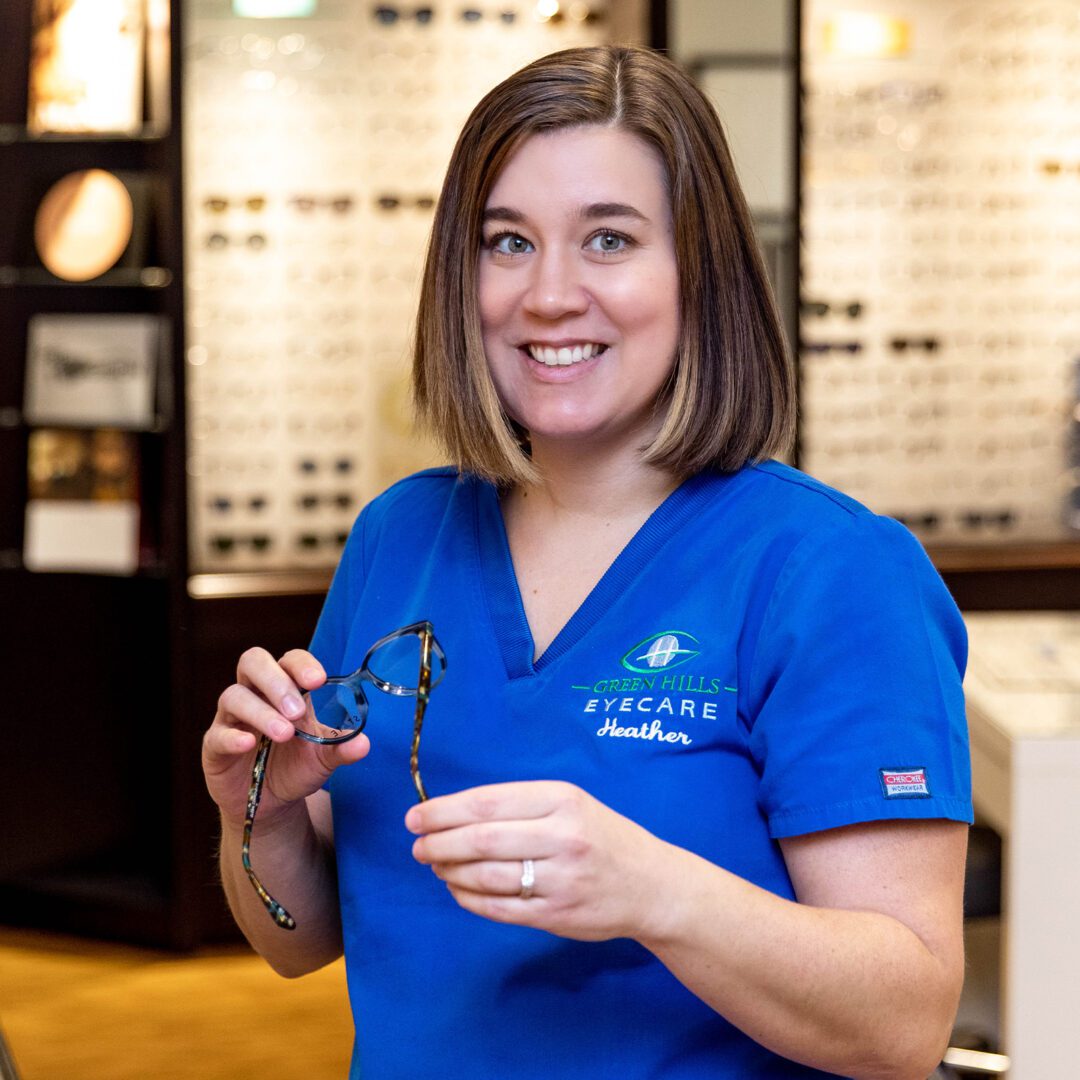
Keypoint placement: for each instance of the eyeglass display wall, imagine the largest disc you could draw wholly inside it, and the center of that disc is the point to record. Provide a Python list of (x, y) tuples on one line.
[(315, 149), (940, 315)]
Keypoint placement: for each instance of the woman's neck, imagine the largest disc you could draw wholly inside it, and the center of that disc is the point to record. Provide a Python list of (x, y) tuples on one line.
[(581, 482)]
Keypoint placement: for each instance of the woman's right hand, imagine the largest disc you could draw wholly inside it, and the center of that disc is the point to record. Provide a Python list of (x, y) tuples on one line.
[(264, 700)]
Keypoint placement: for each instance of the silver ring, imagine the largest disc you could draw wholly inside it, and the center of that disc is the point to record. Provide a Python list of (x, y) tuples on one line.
[(528, 879)]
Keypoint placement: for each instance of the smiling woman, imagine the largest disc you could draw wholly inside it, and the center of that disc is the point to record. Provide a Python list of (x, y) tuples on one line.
[(578, 288), (729, 396), (665, 833)]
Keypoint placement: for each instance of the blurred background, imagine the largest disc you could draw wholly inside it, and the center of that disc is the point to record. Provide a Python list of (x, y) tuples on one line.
[(214, 218)]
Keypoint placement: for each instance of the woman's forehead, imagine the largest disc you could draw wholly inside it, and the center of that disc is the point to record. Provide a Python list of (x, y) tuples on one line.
[(579, 170)]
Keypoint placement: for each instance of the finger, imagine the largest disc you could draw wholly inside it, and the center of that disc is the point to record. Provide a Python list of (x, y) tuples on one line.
[(490, 840), (504, 909), (317, 764), (239, 705), (224, 742), (344, 753), (527, 799), (260, 672), (493, 878), (303, 668)]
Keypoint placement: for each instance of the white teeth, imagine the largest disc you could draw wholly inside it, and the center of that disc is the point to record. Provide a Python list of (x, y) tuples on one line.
[(565, 356)]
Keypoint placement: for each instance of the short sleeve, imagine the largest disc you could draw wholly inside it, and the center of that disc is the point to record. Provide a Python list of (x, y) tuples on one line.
[(855, 699)]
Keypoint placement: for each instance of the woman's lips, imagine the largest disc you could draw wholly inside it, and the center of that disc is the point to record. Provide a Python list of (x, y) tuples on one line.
[(563, 355)]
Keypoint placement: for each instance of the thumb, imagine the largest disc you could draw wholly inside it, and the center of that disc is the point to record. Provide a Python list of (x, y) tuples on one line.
[(334, 755)]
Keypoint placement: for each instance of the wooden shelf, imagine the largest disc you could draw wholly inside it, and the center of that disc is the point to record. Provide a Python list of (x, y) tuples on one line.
[(141, 277), (14, 419), (961, 558), (14, 134), (258, 583)]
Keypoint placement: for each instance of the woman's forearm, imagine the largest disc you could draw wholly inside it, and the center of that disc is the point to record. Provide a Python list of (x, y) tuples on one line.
[(297, 867), (856, 993)]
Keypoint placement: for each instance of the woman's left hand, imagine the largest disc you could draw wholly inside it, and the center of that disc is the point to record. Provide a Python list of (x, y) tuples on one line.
[(596, 873)]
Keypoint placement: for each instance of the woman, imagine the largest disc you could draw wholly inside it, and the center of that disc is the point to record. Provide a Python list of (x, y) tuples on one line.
[(699, 763)]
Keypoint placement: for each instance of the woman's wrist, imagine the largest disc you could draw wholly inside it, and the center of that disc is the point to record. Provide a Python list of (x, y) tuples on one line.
[(269, 820), (664, 898)]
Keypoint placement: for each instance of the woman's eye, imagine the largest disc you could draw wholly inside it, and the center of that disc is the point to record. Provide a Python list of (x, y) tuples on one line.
[(608, 243), (510, 244)]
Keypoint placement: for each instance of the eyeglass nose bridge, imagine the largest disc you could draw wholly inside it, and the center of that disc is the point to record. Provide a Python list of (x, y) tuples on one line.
[(354, 682)]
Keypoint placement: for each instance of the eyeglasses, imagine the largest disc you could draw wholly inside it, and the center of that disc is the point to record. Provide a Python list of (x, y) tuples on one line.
[(407, 663), (224, 543), (310, 541), (224, 504), (217, 241), (219, 204), (900, 345), (820, 308), (852, 347), (388, 15), (395, 202), (340, 204), (310, 465), (310, 501), (475, 15)]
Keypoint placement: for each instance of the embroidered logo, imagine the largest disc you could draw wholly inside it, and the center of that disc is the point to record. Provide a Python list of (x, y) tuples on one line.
[(646, 699), (661, 651), (908, 783)]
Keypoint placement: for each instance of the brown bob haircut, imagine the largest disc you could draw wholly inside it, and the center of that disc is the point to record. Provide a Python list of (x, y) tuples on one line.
[(731, 396)]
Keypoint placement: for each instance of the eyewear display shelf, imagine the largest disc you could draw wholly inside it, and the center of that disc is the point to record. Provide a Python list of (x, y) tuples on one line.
[(111, 678), (939, 335), (99, 771)]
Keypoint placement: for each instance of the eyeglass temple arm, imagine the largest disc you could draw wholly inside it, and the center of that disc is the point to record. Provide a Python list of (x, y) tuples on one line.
[(423, 692), (258, 775)]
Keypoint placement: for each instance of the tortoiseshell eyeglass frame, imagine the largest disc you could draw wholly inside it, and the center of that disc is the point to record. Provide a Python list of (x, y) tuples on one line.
[(429, 647)]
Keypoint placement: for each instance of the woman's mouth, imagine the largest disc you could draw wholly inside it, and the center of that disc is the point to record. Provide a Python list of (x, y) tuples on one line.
[(564, 355)]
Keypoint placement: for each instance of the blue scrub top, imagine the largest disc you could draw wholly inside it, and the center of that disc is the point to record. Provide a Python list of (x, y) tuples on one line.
[(765, 658)]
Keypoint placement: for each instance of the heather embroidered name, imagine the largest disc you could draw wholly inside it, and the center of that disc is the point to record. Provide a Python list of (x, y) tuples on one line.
[(652, 732)]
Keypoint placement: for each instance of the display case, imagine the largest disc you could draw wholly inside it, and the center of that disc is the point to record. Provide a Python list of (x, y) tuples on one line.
[(940, 300), (92, 450), (314, 152)]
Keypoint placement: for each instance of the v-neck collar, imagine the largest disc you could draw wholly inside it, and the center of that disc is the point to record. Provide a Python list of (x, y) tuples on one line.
[(505, 606)]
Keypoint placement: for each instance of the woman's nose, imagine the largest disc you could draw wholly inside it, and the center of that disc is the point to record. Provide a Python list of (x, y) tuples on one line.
[(556, 287)]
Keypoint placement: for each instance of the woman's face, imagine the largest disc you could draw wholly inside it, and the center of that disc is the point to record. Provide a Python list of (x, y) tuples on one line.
[(579, 288)]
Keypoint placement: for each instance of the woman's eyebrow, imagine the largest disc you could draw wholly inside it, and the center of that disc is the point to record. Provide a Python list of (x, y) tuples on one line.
[(610, 209), (590, 212), (503, 213)]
